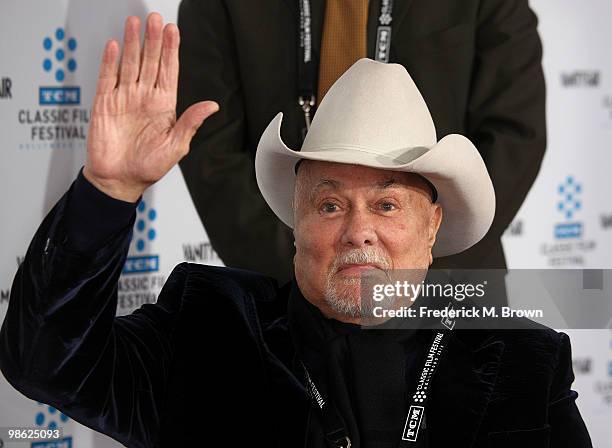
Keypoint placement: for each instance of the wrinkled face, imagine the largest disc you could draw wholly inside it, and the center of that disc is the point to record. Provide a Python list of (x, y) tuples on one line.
[(352, 221)]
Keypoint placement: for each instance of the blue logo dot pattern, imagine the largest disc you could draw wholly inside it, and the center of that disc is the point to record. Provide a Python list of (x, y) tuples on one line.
[(144, 232), (569, 203), (48, 417), (59, 55)]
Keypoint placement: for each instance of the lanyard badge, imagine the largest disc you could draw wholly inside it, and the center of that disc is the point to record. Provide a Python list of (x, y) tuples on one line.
[(412, 435)]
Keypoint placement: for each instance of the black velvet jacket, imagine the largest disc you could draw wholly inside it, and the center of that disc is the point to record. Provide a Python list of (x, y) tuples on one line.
[(212, 359)]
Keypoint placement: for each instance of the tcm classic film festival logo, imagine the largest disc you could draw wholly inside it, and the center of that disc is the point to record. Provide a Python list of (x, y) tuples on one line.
[(141, 281), (569, 247), (57, 122)]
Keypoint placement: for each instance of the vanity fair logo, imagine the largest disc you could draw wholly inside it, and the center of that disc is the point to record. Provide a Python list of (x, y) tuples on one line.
[(5, 88), (581, 78)]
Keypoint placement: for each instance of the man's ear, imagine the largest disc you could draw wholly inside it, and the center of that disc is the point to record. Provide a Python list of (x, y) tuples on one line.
[(434, 226), (434, 223)]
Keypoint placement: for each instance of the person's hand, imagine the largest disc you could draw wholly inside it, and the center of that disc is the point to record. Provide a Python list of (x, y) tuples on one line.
[(134, 138)]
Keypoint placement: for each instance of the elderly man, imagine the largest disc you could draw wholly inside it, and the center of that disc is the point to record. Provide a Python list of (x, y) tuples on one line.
[(225, 354)]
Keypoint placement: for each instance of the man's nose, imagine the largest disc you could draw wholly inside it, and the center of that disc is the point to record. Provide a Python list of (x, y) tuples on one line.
[(359, 229)]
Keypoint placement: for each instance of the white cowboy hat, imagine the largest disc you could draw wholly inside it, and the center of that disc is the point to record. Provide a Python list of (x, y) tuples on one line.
[(374, 115)]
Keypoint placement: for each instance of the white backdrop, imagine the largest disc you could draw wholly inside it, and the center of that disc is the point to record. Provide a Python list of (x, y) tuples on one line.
[(566, 221)]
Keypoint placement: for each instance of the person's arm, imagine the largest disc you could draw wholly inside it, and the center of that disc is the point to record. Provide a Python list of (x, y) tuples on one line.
[(60, 342), (506, 106), (219, 169), (567, 426)]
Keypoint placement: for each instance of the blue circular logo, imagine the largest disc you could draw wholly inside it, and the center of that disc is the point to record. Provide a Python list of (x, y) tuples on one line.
[(568, 191), (49, 417), (61, 57), (143, 230)]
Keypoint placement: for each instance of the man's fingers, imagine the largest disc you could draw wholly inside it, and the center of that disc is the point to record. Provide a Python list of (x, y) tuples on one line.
[(190, 121), (130, 60), (169, 67), (152, 49), (107, 78)]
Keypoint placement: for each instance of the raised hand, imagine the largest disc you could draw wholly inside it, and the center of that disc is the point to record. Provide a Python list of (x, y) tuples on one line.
[(134, 138)]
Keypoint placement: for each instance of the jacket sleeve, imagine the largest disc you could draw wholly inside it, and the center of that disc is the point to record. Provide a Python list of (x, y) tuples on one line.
[(506, 106), (60, 342), (567, 426), (219, 169)]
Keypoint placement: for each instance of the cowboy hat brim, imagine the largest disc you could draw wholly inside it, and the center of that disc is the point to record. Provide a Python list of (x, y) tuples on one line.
[(453, 165)]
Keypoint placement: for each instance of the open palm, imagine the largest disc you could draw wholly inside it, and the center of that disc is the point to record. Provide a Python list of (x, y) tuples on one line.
[(134, 138)]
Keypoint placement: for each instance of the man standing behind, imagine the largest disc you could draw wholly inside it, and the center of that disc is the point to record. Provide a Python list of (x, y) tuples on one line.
[(477, 64)]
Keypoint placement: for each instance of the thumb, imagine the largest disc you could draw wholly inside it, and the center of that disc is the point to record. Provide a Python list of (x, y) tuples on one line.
[(190, 120)]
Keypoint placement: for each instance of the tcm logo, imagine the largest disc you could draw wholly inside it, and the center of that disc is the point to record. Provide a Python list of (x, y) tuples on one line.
[(144, 234), (568, 205), (413, 423), (58, 60), (580, 78), (59, 95), (65, 442), (383, 42), (138, 265), (606, 221)]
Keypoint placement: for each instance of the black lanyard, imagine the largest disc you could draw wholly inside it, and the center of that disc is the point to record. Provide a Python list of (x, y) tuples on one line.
[(413, 434), (335, 431), (306, 67), (415, 425), (383, 32), (307, 71)]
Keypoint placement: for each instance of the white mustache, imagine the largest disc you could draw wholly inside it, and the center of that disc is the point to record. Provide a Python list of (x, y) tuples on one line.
[(362, 256)]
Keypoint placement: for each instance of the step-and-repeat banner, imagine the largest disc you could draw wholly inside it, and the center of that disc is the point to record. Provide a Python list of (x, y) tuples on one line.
[(49, 55)]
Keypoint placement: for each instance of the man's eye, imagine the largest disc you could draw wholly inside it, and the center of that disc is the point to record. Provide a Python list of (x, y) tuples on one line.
[(329, 207), (387, 206)]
